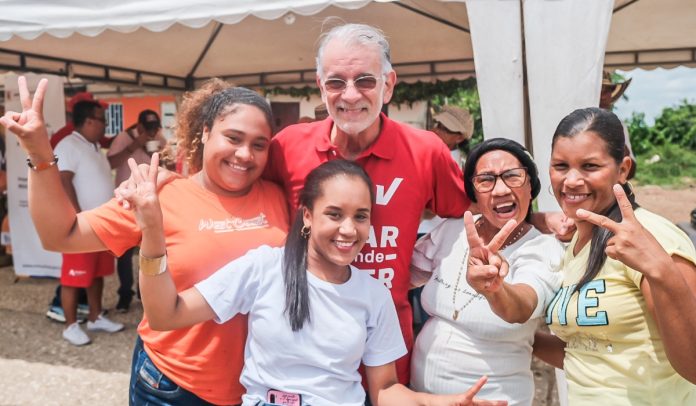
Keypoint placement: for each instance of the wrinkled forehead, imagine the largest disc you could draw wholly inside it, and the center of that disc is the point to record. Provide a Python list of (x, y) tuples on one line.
[(339, 52)]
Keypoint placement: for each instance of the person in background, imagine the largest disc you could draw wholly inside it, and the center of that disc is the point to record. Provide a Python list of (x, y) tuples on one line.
[(55, 309), (609, 94), (86, 177), (625, 316), (139, 142), (454, 126), (483, 323), (320, 112)]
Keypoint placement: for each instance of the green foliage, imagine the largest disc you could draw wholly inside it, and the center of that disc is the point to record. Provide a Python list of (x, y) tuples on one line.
[(676, 166), (300, 92), (674, 126), (409, 93)]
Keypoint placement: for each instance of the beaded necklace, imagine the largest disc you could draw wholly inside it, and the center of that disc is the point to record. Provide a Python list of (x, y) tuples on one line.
[(455, 315)]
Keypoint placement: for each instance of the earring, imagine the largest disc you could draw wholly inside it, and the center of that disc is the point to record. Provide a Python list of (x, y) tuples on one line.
[(304, 233), (551, 191), (629, 185)]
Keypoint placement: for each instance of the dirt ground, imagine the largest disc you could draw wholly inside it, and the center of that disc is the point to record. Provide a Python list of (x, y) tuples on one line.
[(38, 368)]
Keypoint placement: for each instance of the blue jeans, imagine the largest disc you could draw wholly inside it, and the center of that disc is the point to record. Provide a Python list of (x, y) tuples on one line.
[(149, 386)]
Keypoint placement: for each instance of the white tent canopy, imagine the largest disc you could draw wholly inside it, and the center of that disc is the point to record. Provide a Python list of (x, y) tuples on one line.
[(161, 43)]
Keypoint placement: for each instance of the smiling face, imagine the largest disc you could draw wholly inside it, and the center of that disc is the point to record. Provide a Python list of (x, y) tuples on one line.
[(354, 111), (502, 203), (582, 173), (339, 223), (235, 150)]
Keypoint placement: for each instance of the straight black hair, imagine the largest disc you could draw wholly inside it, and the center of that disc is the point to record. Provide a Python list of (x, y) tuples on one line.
[(608, 127), (295, 257)]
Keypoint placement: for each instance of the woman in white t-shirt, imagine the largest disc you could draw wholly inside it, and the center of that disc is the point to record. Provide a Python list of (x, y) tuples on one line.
[(313, 318), (483, 322)]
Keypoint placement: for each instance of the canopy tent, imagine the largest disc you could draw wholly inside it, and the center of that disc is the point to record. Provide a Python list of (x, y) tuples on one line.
[(272, 42), (535, 60)]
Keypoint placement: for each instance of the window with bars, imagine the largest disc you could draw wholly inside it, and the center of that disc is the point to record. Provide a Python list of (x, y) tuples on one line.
[(114, 117)]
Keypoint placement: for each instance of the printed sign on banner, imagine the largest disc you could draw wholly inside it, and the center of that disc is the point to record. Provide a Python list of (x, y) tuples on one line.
[(29, 257)]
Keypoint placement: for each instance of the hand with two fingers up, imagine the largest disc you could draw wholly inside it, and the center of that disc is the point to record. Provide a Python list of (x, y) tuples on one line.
[(631, 243), (29, 125), (486, 268), (140, 194)]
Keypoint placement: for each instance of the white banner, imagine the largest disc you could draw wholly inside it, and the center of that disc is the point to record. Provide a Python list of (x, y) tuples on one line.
[(496, 36), (565, 43), (29, 257)]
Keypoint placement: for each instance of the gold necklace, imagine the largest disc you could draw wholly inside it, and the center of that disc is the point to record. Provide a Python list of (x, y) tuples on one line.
[(479, 222)]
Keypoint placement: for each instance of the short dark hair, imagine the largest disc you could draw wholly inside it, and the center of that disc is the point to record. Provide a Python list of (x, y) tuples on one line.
[(507, 145), (83, 110)]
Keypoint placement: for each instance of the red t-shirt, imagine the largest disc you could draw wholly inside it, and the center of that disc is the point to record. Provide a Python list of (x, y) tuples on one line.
[(411, 169), (203, 231)]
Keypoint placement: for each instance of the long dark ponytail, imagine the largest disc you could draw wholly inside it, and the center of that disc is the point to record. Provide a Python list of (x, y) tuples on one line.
[(608, 127), (295, 257)]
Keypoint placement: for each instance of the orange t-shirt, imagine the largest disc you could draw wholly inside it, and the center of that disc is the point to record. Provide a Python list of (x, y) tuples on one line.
[(203, 231)]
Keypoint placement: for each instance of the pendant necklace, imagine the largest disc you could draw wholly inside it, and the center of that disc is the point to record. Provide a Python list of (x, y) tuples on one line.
[(455, 314)]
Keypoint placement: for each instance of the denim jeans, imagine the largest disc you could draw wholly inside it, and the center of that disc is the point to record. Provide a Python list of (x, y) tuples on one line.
[(149, 386)]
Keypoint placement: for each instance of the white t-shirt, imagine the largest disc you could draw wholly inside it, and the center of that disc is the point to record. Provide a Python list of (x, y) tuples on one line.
[(92, 178), (349, 323), (450, 355)]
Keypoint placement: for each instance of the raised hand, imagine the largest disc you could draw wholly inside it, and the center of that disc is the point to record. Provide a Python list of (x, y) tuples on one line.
[(29, 124), (163, 177), (141, 194), (631, 243), (486, 269), (467, 398), (562, 226)]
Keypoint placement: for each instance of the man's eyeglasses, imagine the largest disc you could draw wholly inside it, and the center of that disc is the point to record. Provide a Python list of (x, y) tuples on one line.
[(336, 85), (102, 119), (513, 178)]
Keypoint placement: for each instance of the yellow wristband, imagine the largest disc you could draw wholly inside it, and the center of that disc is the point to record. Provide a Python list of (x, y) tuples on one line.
[(153, 266)]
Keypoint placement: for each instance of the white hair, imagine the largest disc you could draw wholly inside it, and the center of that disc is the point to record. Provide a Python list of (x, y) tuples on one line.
[(356, 34)]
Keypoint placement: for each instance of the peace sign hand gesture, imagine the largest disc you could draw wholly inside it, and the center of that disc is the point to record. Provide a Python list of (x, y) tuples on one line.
[(486, 269), (141, 194), (29, 124), (631, 243)]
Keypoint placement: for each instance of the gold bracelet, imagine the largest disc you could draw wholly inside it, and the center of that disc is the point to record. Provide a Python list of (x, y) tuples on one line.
[(153, 266), (42, 165)]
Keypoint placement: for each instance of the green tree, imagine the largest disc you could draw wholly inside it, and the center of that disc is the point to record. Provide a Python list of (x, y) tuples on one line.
[(677, 126)]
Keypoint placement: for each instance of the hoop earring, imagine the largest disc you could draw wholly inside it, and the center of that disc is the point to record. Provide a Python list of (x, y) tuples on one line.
[(630, 188), (305, 232)]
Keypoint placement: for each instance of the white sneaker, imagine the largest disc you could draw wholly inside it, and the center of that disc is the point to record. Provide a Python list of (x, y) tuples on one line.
[(104, 324), (75, 336)]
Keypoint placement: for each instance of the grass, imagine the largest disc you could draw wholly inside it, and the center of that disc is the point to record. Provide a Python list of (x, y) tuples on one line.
[(676, 167)]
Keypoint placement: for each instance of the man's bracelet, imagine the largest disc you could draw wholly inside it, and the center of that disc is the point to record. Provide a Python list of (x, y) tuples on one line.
[(43, 165), (153, 266)]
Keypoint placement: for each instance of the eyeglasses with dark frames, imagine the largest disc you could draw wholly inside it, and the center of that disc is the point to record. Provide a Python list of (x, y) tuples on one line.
[(362, 83), (513, 178), (102, 119)]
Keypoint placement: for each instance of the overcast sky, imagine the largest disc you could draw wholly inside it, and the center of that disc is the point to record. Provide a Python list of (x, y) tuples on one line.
[(652, 91)]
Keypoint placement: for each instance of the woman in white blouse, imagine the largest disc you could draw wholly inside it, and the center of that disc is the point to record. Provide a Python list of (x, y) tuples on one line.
[(482, 322)]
